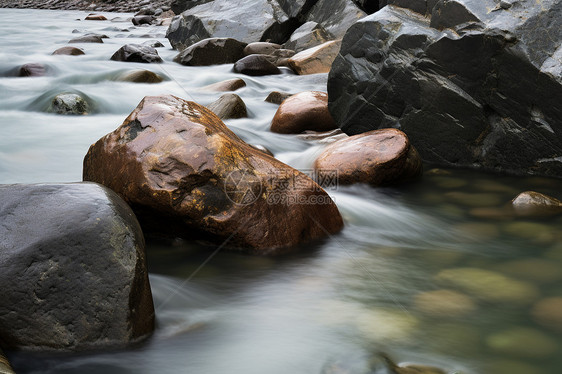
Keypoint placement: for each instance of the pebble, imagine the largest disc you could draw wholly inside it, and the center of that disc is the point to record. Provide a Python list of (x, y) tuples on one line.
[(444, 303), (489, 286), (548, 313), (532, 269), (522, 342)]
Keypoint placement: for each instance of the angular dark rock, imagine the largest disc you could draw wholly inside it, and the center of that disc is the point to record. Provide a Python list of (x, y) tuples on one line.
[(180, 6), (212, 51), (74, 272), (470, 87), (336, 16), (307, 36), (137, 53)]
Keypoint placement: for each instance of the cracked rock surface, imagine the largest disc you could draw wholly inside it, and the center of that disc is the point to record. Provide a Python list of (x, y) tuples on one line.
[(471, 82)]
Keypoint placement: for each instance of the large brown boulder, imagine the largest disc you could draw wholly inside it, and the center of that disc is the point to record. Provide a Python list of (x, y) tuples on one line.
[(378, 157), (186, 174), (306, 110)]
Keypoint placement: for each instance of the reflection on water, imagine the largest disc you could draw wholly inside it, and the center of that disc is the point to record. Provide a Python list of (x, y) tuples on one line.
[(439, 272)]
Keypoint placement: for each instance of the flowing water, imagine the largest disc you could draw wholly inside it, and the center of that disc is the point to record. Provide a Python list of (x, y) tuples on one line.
[(435, 272)]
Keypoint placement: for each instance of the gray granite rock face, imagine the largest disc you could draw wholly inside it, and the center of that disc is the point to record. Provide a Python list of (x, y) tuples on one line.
[(336, 16), (471, 83), (74, 271), (246, 21)]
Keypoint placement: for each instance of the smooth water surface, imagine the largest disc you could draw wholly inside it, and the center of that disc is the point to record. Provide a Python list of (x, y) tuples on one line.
[(437, 272)]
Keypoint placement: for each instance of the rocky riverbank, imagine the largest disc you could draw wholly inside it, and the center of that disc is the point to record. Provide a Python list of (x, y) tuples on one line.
[(88, 5)]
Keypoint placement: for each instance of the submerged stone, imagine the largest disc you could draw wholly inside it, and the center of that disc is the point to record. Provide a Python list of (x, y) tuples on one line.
[(522, 342), (69, 104), (489, 286)]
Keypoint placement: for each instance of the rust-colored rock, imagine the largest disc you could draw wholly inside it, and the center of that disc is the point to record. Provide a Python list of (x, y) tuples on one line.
[(531, 203), (186, 174), (306, 110), (378, 157), (95, 17), (227, 85), (315, 60), (69, 51)]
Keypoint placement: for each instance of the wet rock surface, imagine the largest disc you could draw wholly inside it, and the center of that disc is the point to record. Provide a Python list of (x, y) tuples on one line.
[(69, 51), (248, 21), (306, 110), (229, 106), (74, 274), (212, 51), (255, 65), (186, 174), (139, 76), (137, 53), (32, 70), (471, 87), (69, 104), (378, 157), (307, 36), (315, 60), (227, 85)]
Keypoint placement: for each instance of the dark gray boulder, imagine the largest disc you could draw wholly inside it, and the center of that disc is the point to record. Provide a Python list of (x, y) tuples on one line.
[(137, 53), (212, 51), (307, 36), (179, 6), (472, 85), (297, 9), (247, 21), (336, 16), (143, 20), (88, 38), (74, 272), (372, 6)]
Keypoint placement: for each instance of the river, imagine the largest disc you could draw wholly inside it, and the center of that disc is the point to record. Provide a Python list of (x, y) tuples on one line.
[(393, 281)]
